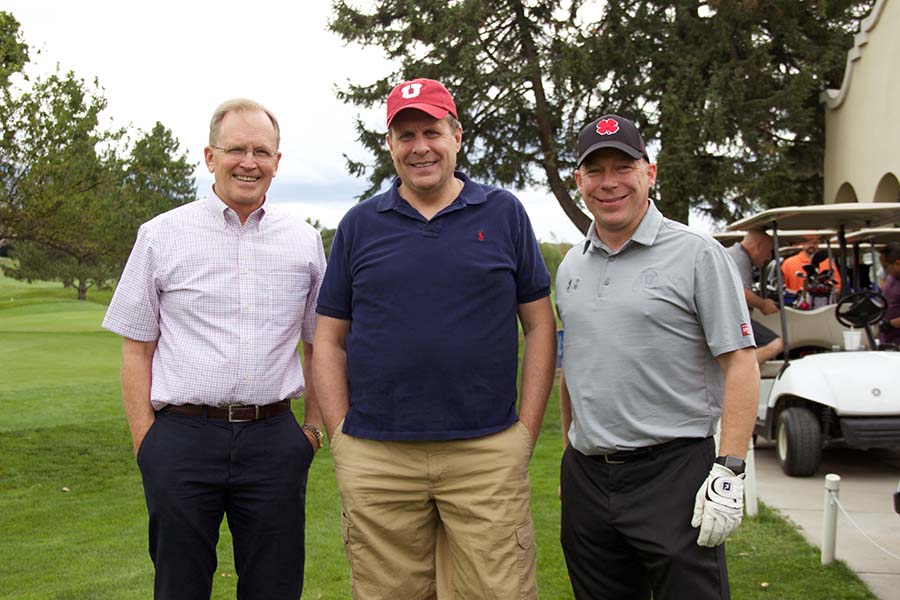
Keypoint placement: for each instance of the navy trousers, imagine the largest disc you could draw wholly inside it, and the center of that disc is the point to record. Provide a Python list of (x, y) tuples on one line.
[(196, 470), (626, 528)]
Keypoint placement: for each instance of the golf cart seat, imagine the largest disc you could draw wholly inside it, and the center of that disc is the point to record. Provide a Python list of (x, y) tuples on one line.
[(808, 328)]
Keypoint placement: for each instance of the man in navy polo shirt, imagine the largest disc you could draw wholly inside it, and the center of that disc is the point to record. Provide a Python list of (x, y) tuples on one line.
[(416, 367)]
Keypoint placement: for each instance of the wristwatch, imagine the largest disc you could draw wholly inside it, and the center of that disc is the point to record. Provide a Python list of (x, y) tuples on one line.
[(317, 433), (734, 463)]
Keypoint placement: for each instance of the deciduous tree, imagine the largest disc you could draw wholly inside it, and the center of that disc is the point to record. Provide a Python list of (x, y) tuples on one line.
[(55, 156), (13, 51), (326, 233), (71, 205)]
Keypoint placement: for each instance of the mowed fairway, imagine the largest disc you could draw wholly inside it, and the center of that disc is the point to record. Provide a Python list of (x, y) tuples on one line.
[(72, 515), (73, 522)]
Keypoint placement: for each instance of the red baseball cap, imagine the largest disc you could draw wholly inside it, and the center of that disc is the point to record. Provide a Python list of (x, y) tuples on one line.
[(426, 95)]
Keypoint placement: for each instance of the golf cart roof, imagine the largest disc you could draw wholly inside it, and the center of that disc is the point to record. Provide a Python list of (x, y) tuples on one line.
[(788, 241), (881, 235), (794, 236), (830, 216), (727, 237)]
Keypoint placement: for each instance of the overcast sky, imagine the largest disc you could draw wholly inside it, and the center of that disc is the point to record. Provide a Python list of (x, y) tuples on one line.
[(173, 62)]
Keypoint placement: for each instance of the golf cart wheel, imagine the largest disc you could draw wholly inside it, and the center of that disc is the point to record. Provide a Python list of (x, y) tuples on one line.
[(798, 442)]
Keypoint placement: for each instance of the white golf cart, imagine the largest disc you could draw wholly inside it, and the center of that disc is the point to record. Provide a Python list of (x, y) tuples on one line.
[(822, 394)]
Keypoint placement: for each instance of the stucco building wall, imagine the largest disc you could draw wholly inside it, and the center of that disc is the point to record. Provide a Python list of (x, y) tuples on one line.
[(862, 119)]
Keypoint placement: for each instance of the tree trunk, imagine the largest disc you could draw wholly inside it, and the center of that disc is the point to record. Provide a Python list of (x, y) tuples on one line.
[(545, 129), (575, 214), (82, 289)]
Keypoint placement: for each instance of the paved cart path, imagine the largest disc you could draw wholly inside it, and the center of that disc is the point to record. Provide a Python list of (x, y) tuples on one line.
[(868, 481)]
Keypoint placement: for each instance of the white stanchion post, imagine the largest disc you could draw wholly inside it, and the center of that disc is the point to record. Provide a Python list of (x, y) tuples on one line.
[(750, 498), (829, 518)]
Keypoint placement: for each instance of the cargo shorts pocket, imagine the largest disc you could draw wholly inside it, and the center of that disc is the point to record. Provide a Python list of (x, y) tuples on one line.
[(526, 559), (346, 536), (345, 533)]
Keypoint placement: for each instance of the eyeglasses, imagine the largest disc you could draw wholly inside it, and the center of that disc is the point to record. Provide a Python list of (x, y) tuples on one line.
[(260, 155)]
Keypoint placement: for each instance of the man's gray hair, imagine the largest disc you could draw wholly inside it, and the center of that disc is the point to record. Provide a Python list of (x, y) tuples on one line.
[(454, 122), (240, 105)]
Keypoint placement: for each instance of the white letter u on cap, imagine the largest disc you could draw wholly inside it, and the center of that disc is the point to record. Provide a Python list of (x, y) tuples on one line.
[(411, 91)]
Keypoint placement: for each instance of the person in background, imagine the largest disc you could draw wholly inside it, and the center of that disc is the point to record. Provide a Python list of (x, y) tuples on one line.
[(754, 250), (658, 346), (213, 301), (889, 328), (416, 369), (792, 267)]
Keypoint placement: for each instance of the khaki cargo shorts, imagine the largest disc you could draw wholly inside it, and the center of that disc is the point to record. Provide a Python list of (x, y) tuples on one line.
[(398, 498)]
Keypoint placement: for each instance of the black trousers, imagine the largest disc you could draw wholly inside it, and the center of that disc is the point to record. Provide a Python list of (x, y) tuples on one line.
[(195, 470), (626, 528)]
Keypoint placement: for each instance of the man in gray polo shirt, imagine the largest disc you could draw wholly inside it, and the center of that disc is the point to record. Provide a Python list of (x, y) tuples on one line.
[(658, 346), (755, 249)]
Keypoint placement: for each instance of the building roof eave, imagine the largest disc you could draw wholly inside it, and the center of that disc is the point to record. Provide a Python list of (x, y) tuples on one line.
[(834, 98)]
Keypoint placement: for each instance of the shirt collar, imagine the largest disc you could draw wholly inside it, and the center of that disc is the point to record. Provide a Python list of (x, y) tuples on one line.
[(645, 234), (218, 209), (470, 194)]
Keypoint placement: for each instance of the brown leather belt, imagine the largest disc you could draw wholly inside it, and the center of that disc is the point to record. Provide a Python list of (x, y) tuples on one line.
[(234, 413)]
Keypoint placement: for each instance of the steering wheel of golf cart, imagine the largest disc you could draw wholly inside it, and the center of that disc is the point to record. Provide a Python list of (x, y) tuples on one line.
[(861, 309)]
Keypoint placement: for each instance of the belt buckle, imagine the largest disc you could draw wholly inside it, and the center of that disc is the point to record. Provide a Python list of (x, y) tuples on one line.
[(612, 462), (232, 419)]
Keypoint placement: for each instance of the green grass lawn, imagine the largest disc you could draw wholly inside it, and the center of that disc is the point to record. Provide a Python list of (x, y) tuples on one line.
[(72, 515)]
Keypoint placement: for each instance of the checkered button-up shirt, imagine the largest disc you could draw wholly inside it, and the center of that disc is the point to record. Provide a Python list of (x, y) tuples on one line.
[(227, 303)]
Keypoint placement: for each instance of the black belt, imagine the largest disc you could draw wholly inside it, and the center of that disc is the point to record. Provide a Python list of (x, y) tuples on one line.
[(234, 413), (618, 458)]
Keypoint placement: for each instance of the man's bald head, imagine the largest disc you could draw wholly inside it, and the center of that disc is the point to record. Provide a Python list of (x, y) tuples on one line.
[(758, 245)]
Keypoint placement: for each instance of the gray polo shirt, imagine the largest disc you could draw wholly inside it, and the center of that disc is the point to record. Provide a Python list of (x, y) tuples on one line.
[(643, 326), (742, 260)]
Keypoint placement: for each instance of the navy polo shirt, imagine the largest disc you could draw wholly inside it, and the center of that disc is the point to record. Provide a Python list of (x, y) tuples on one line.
[(432, 351)]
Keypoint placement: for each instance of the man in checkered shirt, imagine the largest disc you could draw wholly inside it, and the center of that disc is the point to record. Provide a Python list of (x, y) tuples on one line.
[(213, 301)]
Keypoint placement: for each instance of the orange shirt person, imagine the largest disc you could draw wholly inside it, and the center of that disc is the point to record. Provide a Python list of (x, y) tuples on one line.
[(794, 265)]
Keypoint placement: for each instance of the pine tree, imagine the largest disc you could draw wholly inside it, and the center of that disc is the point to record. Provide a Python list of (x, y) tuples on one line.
[(725, 93)]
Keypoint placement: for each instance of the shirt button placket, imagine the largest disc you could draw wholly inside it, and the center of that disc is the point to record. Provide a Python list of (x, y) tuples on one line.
[(245, 318), (603, 277), (611, 264)]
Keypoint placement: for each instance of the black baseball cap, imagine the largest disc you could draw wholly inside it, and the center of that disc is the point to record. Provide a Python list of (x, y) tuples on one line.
[(611, 131)]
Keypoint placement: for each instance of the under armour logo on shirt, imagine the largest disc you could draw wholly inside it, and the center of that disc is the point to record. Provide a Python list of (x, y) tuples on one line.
[(412, 90)]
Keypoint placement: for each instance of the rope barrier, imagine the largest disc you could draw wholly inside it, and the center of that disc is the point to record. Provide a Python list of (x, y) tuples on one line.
[(840, 506)]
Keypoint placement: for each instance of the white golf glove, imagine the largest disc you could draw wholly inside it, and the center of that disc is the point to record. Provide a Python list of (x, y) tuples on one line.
[(719, 505)]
